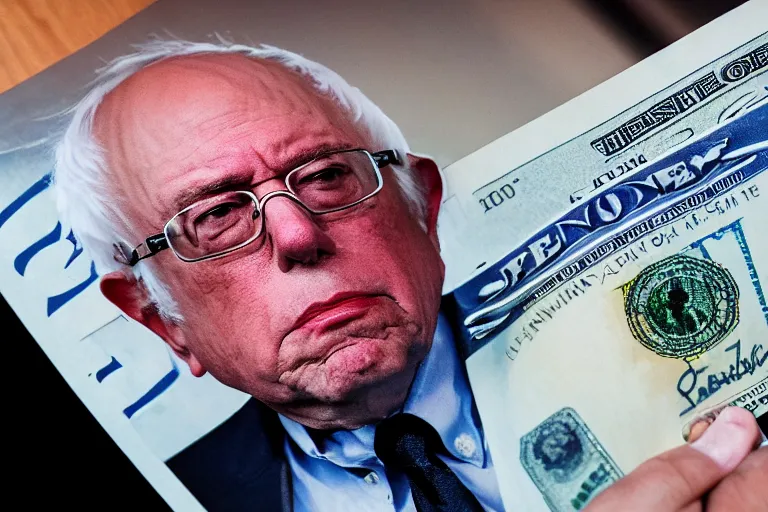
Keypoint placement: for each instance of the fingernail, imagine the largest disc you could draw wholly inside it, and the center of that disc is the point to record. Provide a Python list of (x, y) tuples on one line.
[(693, 430), (696, 430), (729, 439)]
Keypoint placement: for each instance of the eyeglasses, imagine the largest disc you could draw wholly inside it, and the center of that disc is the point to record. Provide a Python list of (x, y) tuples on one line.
[(228, 221)]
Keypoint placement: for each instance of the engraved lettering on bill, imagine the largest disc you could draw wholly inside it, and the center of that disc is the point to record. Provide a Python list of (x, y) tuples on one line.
[(699, 384), (679, 102), (753, 399), (659, 114), (566, 462), (665, 191), (580, 167), (745, 65)]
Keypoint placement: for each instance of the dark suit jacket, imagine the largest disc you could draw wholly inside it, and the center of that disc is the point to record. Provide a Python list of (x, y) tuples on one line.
[(240, 465)]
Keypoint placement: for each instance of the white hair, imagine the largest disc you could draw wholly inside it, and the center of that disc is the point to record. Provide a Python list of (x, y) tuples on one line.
[(85, 200)]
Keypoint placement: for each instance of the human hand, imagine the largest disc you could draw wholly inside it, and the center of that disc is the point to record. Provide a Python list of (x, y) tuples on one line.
[(719, 470), (745, 489)]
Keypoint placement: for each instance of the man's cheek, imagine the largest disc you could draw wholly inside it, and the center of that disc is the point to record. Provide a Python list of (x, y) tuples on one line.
[(215, 283), (236, 348)]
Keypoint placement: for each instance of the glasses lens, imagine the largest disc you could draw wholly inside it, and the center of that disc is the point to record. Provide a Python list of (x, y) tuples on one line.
[(335, 181), (214, 225)]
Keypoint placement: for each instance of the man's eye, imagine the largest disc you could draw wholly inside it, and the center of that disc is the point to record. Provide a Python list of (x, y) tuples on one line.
[(328, 175), (217, 212)]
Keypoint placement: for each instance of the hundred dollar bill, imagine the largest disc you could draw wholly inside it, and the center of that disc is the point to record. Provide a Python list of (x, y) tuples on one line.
[(755, 399), (503, 195), (597, 341)]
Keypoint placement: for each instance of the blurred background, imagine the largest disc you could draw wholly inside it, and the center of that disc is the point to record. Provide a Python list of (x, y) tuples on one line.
[(37, 33), (454, 74), (650, 25)]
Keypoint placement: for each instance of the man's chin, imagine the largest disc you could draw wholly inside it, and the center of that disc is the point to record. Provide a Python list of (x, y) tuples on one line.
[(347, 370), (359, 382)]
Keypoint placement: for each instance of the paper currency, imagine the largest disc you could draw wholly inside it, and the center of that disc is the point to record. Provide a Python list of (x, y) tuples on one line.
[(495, 198), (624, 314), (652, 309), (566, 462)]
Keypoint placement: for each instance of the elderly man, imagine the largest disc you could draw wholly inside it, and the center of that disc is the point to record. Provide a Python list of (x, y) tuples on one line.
[(268, 222)]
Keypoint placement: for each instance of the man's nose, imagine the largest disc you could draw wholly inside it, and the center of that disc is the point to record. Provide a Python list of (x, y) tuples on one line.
[(295, 236)]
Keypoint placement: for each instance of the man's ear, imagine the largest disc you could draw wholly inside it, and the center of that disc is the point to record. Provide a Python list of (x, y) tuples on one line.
[(428, 174), (128, 294)]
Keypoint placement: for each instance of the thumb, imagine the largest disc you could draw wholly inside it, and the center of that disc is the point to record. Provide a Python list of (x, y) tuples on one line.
[(734, 436), (681, 476)]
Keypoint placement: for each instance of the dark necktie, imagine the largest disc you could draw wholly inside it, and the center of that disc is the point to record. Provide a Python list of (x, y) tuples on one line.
[(408, 444)]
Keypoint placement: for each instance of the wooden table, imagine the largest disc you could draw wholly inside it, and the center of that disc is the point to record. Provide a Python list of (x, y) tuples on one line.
[(35, 34)]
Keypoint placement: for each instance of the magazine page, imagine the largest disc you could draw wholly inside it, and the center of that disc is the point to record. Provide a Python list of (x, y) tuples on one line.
[(199, 442)]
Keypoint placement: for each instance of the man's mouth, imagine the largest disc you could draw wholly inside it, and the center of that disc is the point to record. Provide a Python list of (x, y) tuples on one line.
[(336, 311)]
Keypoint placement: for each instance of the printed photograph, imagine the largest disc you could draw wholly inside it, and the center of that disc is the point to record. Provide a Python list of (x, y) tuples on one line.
[(306, 256)]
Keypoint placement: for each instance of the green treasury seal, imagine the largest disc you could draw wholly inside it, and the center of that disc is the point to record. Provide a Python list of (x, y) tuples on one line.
[(682, 306)]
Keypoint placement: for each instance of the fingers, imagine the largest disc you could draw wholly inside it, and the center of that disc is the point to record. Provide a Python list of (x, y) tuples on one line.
[(730, 438), (697, 430), (677, 479), (698, 426), (701, 423), (745, 489)]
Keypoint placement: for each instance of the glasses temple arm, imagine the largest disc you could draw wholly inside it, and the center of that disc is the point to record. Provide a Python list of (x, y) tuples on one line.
[(385, 158), (151, 246)]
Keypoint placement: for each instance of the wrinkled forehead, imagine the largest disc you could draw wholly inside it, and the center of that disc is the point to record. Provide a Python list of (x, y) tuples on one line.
[(192, 98), (217, 113)]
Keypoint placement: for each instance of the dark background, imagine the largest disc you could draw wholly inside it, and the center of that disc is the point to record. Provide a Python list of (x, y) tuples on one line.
[(60, 456)]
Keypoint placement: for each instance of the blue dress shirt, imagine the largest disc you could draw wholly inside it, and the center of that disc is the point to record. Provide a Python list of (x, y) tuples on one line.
[(341, 472)]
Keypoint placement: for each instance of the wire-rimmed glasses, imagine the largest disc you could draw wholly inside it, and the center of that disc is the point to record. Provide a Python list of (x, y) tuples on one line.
[(223, 223)]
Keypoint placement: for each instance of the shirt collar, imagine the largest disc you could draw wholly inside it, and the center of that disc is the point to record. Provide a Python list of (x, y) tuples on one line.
[(440, 395)]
